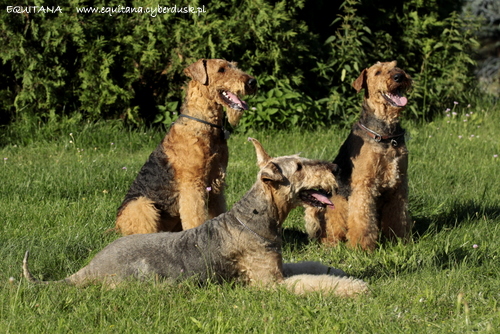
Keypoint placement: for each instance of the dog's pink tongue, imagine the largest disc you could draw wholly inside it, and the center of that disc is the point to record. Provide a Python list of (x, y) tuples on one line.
[(322, 199), (399, 100), (242, 104)]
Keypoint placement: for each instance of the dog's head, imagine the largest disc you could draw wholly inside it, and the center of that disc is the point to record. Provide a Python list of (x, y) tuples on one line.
[(385, 85), (224, 83), (292, 181)]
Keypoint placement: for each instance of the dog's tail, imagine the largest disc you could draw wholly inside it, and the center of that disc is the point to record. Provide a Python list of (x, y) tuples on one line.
[(27, 272), (326, 285)]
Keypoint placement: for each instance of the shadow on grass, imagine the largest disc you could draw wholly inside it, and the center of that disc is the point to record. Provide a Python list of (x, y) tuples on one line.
[(457, 215), (391, 260), (296, 239)]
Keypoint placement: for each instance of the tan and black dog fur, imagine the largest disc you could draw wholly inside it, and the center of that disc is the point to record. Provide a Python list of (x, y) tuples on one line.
[(373, 162), (243, 244), (181, 185)]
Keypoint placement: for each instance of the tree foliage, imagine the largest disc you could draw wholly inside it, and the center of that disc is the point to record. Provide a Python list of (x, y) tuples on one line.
[(488, 70), (305, 55)]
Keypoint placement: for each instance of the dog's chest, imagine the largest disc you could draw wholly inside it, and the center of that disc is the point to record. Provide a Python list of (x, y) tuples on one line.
[(197, 151), (392, 167), (262, 266), (216, 165)]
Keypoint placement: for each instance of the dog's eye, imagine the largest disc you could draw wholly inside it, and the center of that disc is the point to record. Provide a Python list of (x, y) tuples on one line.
[(378, 73), (222, 70), (299, 167)]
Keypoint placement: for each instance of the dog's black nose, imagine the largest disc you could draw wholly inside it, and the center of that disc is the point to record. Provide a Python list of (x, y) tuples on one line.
[(252, 83), (398, 77)]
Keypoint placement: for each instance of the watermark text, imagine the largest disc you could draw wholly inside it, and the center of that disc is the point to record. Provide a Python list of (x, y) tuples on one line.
[(152, 11), (111, 11), (33, 9)]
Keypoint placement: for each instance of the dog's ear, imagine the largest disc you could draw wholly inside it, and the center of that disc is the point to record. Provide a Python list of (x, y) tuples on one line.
[(262, 156), (360, 82), (198, 71), (271, 173)]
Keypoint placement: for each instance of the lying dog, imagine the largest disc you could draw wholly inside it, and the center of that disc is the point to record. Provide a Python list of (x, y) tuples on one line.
[(243, 244)]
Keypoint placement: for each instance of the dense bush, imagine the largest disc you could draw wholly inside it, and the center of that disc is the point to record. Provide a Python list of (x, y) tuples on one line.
[(436, 51), (304, 53), (488, 70)]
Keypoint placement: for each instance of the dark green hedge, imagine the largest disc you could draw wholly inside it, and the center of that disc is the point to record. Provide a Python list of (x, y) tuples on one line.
[(304, 53)]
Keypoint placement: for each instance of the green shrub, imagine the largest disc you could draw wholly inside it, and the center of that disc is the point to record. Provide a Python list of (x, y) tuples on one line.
[(443, 51), (348, 56), (436, 52), (282, 107), (488, 69), (129, 66)]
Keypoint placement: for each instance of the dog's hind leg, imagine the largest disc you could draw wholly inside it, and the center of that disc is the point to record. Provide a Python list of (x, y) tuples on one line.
[(335, 221), (138, 216), (394, 216)]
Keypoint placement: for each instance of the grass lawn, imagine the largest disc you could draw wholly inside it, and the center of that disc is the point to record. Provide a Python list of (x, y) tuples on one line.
[(59, 194)]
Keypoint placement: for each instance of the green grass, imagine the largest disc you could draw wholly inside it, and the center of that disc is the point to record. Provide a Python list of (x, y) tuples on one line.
[(59, 194)]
